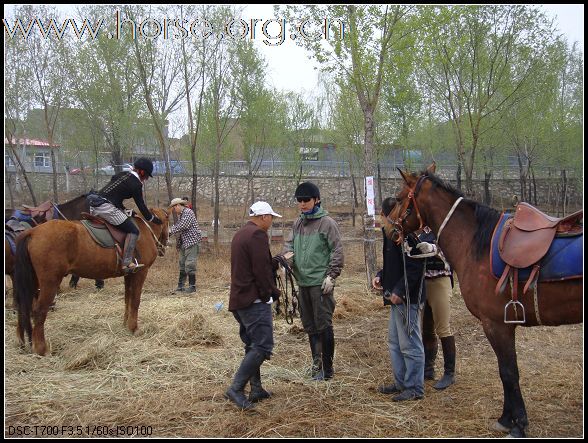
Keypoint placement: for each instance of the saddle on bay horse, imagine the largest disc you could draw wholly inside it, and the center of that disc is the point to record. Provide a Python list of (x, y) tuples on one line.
[(105, 234), (526, 238)]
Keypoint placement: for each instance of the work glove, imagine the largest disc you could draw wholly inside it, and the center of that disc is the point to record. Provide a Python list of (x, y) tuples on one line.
[(156, 220), (328, 285), (427, 248)]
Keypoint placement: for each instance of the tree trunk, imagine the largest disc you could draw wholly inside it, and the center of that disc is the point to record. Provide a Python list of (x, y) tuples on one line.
[(9, 186), (368, 225), (564, 192), (54, 175), (23, 172), (215, 220), (378, 197), (487, 194), (354, 198)]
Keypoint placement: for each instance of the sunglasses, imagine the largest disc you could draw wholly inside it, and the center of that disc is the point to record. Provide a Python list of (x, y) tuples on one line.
[(303, 199)]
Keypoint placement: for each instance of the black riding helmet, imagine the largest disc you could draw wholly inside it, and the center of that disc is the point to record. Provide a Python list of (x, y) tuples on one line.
[(145, 164), (307, 190)]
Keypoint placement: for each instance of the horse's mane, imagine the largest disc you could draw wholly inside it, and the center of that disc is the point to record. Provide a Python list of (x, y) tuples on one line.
[(486, 217)]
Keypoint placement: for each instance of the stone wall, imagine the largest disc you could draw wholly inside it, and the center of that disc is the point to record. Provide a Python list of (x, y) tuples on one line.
[(279, 191)]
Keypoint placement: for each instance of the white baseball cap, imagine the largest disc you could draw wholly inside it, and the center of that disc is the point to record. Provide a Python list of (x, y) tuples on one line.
[(261, 208)]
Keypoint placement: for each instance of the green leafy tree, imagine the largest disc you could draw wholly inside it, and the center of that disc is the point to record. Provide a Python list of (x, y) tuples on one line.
[(359, 55)]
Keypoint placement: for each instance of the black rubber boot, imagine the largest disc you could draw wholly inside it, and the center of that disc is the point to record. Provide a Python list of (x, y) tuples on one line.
[(315, 349), (257, 392), (328, 346), (430, 357), (192, 281), (448, 345), (429, 342), (181, 282), (249, 367)]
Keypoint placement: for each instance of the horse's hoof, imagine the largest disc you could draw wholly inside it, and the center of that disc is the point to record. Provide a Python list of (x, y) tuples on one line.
[(497, 427)]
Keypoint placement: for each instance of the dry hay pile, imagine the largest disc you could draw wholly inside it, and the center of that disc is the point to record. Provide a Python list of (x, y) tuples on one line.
[(172, 374)]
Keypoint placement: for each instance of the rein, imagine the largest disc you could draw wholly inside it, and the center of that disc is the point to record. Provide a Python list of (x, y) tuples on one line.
[(58, 211), (158, 244), (290, 306)]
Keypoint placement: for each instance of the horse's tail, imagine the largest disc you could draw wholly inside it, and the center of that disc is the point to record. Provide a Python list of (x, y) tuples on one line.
[(25, 285)]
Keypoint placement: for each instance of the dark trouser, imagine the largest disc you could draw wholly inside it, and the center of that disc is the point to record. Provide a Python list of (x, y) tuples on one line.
[(256, 332), (256, 328)]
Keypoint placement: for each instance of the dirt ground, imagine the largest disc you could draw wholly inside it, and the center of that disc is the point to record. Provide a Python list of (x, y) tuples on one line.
[(168, 379)]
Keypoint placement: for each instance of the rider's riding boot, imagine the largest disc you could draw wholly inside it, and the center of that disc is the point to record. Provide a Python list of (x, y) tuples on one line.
[(315, 349), (430, 356), (328, 346), (249, 367), (127, 265), (192, 282), (448, 345), (181, 281)]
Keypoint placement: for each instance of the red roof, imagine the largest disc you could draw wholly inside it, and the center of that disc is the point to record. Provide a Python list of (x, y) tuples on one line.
[(32, 142)]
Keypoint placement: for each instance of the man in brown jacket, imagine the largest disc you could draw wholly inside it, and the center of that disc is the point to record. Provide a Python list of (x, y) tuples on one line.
[(253, 290)]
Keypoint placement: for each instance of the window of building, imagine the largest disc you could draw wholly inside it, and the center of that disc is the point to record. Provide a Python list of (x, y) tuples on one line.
[(8, 160), (42, 159)]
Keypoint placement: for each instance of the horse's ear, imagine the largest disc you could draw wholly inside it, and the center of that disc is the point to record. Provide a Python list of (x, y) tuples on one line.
[(404, 176), (432, 167)]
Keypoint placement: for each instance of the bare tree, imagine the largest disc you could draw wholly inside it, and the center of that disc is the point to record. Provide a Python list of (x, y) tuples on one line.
[(18, 79)]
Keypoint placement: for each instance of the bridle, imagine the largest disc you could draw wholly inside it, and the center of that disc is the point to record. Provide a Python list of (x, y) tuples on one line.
[(406, 210), (412, 194)]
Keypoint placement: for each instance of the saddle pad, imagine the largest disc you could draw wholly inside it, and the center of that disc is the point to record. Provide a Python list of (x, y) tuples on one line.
[(12, 229), (563, 259), (101, 235), (10, 237)]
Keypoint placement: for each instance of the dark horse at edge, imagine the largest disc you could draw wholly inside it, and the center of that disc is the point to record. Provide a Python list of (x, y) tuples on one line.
[(70, 210)]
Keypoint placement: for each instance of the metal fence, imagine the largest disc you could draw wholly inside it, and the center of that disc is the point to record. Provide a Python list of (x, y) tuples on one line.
[(307, 168)]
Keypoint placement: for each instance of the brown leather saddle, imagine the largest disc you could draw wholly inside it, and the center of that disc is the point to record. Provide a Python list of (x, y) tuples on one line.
[(43, 212), (526, 238)]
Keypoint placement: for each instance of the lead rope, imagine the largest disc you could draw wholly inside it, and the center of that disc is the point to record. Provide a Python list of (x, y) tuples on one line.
[(290, 307), (410, 325)]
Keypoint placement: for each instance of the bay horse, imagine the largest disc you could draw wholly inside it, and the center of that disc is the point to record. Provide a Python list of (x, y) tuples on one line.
[(50, 251), (467, 229)]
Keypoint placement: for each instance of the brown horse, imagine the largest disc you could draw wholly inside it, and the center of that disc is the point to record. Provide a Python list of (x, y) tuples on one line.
[(50, 251), (465, 241)]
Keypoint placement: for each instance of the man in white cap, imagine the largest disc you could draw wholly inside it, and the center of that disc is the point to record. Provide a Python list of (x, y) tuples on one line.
[(188, 243), (253, 290)]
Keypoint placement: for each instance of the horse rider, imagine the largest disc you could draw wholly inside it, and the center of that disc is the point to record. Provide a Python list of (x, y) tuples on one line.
[(108, 204)]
